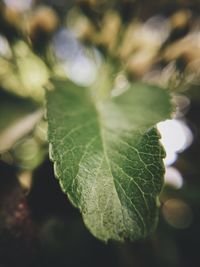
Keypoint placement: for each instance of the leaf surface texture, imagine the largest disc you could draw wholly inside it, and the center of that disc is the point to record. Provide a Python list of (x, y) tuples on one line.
[(108, 157)]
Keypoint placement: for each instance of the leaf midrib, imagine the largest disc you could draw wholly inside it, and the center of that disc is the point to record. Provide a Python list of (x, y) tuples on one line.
[(101, 127)]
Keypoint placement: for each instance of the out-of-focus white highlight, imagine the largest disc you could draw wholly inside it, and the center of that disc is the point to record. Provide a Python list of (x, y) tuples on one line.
[(81, 70), (157, 29), (175, 137), (173, 178), (19, 5), (78, 65)]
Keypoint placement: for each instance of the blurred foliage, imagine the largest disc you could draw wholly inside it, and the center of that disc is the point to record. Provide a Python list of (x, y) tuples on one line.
[(157, 42)]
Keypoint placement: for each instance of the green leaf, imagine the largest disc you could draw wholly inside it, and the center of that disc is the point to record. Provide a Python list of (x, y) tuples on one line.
[(18, 117), (108, 157), (13, 108)]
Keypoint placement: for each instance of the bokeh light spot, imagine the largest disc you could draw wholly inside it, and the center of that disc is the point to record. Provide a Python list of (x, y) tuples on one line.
[(177, 213)]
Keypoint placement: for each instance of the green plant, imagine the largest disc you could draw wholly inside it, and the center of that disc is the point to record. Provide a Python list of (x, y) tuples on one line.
[(103, 137), (107, 155)]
